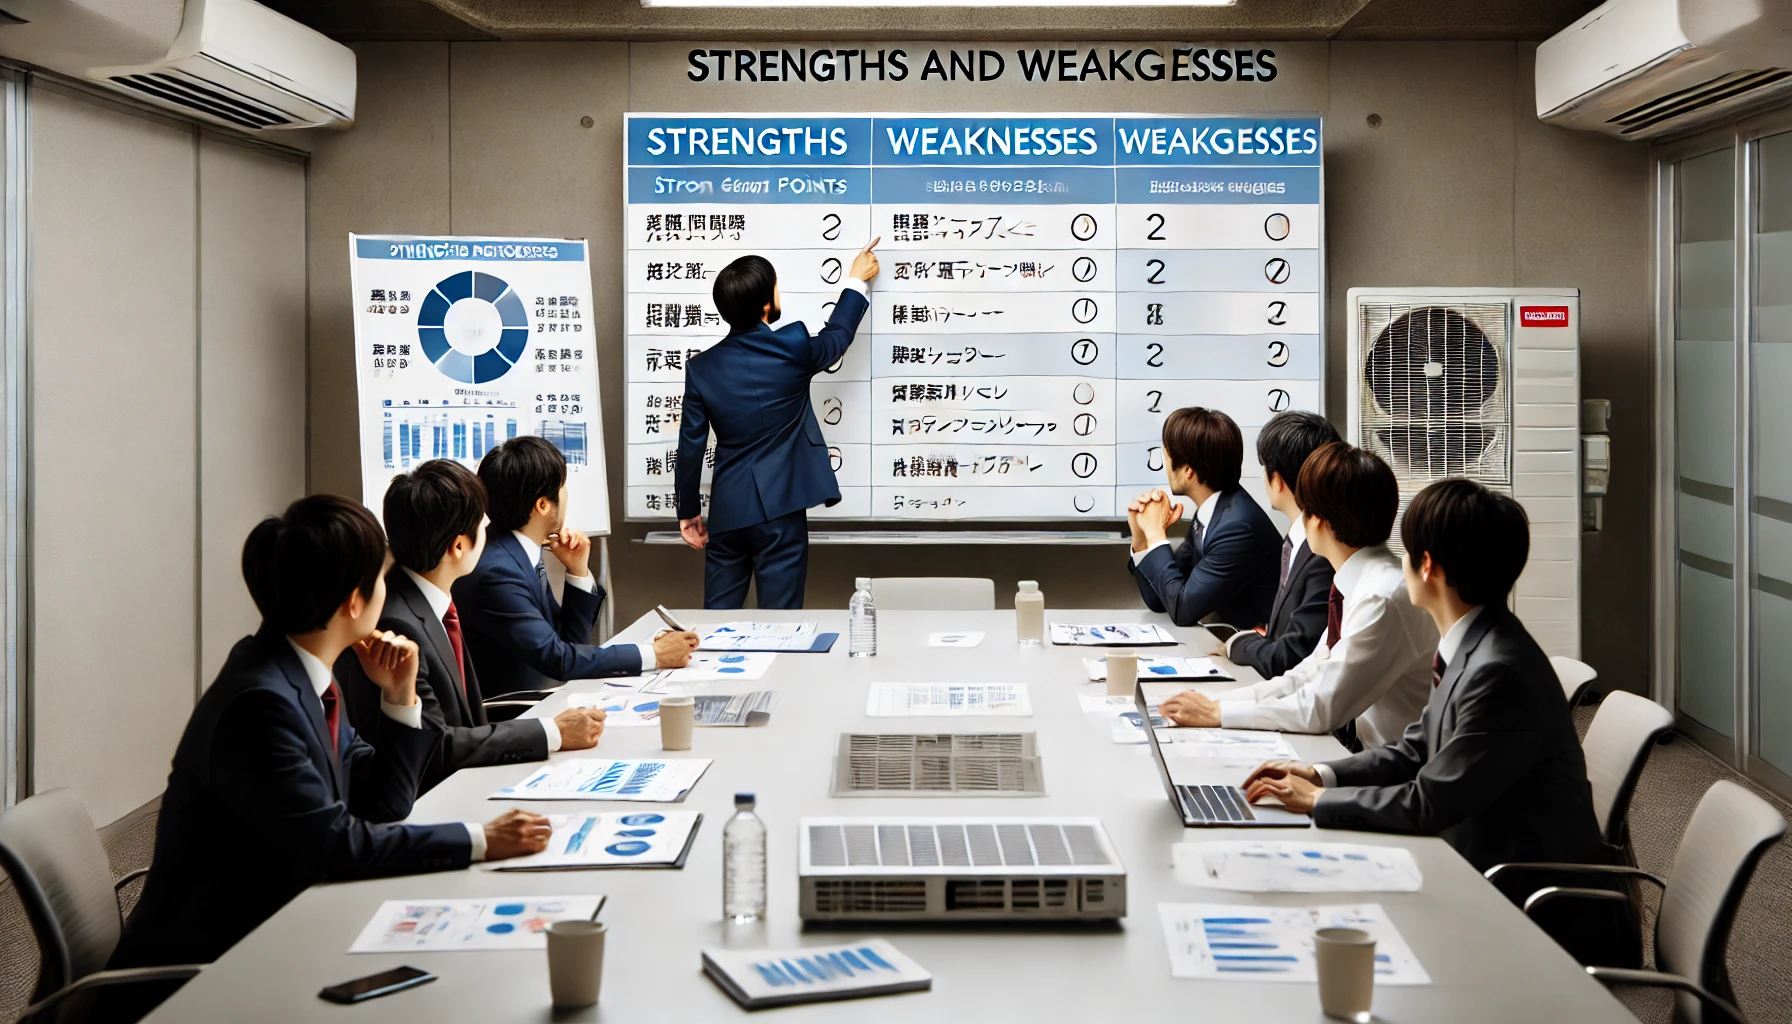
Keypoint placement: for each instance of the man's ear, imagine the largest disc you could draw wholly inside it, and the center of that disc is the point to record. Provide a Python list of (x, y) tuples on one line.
[(543, 507), (353, 605)]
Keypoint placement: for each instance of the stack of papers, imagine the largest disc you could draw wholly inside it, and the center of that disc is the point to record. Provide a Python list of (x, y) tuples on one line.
[(1233, 942), (599, 778), (735, 709), (630, 839), (1296, 867), (501, 923), (766, 636), (924, 700), (1195, 669), (722, 666), (622, 709), (1122, 634), (761, 978)]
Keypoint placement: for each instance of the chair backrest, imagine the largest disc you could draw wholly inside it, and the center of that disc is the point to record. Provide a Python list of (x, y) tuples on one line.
[(934, 593), (1729, 831), (1616, 745), (58, 865), (1576, 676)]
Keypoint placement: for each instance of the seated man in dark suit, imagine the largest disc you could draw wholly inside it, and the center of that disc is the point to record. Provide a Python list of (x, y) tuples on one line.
[(518, 636), (435, 522), (1298, 616), (1227, 565), (1493, 764), (272, 790)]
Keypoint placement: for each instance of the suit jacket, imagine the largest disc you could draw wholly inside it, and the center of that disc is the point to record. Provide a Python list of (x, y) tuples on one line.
[(1493, 764), (457, 712), (1231, 576), (518, 637), (752, 389), (258, 808), (1296, 620)]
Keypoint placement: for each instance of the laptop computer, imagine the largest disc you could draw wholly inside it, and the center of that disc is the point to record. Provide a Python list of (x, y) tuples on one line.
[(1206, 800)]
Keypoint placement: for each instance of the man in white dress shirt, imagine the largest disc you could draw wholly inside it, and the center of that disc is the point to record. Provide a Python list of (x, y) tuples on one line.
[(1368, 678)]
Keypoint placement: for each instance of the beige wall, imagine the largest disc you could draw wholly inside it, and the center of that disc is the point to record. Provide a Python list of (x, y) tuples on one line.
[(1460, 185), (167, 344)]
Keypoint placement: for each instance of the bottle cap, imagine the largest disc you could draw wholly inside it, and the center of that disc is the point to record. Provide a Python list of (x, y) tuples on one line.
[(744, 800), (862, 583), (1029, 586)]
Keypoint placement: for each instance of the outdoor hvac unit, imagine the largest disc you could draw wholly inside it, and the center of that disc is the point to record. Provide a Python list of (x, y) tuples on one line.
[(1482, 383), (227, 62), (1639, 69), (959, 869)]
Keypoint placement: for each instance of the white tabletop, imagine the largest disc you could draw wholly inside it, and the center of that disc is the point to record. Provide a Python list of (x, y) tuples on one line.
[(1486, 961)]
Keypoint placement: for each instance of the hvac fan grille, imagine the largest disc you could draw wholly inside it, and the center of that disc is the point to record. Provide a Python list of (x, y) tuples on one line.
[(1747, 86), (1435, 398), (977, 844), (939, 762), (210, 98)]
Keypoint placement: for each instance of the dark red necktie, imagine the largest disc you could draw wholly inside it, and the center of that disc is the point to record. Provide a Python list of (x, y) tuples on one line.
[(332, 717), (1437, 669), (1334, 617), (451, 623)]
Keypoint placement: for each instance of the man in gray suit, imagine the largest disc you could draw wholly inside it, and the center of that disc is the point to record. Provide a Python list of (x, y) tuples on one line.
[(1493, 764)]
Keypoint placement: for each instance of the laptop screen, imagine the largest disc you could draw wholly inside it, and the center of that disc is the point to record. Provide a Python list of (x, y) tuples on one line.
[(1157, 753)]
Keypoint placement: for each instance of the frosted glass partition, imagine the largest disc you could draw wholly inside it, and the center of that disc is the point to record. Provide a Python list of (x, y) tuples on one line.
[(1771, 502), (1705, 436)]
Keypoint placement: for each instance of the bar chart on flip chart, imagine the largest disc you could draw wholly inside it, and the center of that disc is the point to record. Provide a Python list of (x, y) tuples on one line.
[(1053, 286)]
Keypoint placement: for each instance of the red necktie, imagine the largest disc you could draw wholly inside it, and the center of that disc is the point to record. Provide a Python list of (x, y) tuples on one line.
[(1437, 670), (1334, 617), (451, 623), (332, 717)]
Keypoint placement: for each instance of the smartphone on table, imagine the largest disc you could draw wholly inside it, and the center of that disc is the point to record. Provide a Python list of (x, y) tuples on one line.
[(375, 985)]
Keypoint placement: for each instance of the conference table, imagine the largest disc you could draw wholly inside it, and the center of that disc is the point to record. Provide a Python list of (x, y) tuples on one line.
[(1486, 961)]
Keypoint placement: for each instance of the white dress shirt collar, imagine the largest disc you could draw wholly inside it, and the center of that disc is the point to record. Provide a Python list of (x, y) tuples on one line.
[(315, 669), (438, 601), (1297, 532), (1351, 572), (531, 550), (1452, 639), (1204, 511)]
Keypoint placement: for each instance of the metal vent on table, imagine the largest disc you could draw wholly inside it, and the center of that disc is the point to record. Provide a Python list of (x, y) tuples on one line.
[(938, 764), (1003, 843)]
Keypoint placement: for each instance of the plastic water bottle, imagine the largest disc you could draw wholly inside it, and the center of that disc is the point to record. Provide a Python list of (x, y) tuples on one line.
[(863, 613), (743, 864), (1029, 614)]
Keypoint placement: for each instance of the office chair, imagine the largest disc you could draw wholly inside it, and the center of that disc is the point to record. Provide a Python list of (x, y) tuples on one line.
[(49, 848), (1617, 746), (507, 706), (1576, 676), (934, 593), (1729, 831)]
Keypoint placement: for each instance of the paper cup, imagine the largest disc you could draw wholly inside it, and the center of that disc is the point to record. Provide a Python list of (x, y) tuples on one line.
[(576, 961), (677, 717), (1123, 672), (1346, 961)]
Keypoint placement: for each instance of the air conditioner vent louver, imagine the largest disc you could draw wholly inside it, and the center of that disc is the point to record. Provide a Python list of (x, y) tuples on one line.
[(205, 97), (938, 764), (870, 896), (1709, 93), (973, 844)]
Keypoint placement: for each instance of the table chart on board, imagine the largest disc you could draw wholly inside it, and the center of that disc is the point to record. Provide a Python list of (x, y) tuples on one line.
[(1052, 287)]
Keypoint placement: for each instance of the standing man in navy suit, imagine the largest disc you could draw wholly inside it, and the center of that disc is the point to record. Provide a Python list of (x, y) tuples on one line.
[(772, 463), (518, 636), (1229, 563), (272, 789)]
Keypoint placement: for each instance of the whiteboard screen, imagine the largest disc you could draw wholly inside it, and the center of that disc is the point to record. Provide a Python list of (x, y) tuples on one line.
[(1052, 287)]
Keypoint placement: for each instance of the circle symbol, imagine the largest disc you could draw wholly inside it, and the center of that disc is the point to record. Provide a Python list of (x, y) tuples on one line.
[(1083, 269), (509, 909), (1276, 226), (1154, 458), (1083, 502), (628, 848), (1083, 310), (643, 819), (1084, 350), (501, 928), (1084, 424), (1082, 227), (1083, 393), (1083, 465), (1276, 271), (472, 326), (830, 270), (834, 463), (1279, 399)]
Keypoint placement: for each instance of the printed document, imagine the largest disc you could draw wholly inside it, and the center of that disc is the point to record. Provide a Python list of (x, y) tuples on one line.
[(598, 778), (1245, 942), (759, 636), (926, 700), (624, 839), (1196, 669), (1243, 866), (520, 922), (1123, 634)]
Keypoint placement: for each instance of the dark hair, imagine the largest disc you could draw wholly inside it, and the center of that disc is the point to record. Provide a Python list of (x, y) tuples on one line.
[(427, 508), (516, 474), (1206, 441), (1287, 439), (1352, 490), (1478, 536), (742, 291), (301, 565)]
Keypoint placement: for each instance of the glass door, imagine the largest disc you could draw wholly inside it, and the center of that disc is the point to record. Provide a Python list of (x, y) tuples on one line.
[(1770, 373)]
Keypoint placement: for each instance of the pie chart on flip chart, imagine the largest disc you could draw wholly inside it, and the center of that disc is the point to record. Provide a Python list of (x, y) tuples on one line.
[(472, 327)]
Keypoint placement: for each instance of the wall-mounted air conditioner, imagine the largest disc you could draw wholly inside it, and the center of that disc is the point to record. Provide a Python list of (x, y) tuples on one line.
[(227, 62), (1482, 383), (1638, 69)]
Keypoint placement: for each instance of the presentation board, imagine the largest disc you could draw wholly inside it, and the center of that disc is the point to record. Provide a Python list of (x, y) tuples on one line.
[(1053, 286), (464, 343)]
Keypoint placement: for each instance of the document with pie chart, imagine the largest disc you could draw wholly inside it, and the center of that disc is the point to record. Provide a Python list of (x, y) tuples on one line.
[(464, 343), (629, 839)]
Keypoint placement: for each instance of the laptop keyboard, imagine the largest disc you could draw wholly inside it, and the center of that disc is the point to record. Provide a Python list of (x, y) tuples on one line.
[(1216, 803)]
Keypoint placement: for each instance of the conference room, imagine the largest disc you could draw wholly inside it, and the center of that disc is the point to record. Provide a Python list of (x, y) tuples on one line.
[(639, 510)]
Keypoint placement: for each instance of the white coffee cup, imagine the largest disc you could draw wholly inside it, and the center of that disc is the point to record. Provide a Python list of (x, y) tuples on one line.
[(576, 961), (1346, 962), (678, 715), (1123, 672)]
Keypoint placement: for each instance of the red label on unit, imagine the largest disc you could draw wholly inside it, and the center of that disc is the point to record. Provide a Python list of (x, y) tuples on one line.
[(1543, 316)]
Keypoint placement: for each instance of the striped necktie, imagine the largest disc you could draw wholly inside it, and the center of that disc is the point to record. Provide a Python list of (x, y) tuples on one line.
[(1287, 556), (1334, 617), (1437, 669), (332, 716)]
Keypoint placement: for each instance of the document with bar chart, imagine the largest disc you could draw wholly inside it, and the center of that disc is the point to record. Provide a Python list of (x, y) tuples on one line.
[(1053, 286), (626, 839), (604, 779), (464, 343)]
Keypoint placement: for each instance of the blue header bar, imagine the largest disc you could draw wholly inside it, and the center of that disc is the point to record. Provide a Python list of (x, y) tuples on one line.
[(1217, 141), (749, 141), (510, 250), (993, 141)]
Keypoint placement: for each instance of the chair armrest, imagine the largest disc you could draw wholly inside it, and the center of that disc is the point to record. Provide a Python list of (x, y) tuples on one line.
[(110, 979), (128, 877), (523, 697), (1656, 979), (1582, 869), (1552, 892)]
